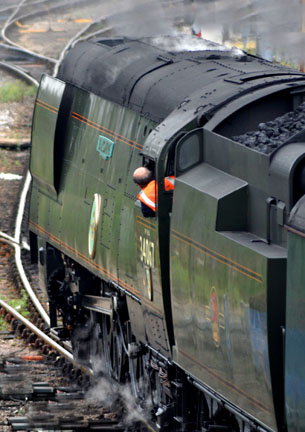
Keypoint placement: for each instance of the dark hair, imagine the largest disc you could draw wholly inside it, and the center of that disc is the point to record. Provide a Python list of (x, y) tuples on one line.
[(146, 178)]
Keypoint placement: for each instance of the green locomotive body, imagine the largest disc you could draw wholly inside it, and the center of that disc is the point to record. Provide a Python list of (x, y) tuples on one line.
[(198, 292)]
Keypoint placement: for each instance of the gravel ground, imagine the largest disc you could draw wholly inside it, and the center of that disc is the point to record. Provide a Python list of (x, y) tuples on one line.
[(7, 288), (37, 36), (19, 371), (12, 167), (15, 123)]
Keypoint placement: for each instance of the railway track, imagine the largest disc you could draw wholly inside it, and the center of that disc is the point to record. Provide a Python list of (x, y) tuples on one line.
[(49, 386), (43, 405)]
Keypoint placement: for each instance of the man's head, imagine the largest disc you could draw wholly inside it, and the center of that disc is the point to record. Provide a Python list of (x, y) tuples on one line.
[(142, 176)]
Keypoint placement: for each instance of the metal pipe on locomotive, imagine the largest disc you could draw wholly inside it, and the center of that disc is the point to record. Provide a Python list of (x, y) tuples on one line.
[(200, 307)]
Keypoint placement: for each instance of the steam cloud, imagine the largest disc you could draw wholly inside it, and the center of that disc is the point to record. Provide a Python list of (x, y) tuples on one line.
[(275, 25), (120, 399)]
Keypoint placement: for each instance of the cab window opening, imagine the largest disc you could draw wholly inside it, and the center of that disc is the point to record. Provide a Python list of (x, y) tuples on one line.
[(189, 151), (144, 177)]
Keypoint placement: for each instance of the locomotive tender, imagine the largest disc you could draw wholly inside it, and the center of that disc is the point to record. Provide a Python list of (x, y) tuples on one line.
[(202, 306)]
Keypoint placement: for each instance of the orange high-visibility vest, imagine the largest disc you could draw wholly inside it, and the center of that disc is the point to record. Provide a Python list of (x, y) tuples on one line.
[(148, 194), (169, 183)]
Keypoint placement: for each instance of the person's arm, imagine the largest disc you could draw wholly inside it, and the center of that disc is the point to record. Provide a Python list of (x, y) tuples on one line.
[(147, 211)]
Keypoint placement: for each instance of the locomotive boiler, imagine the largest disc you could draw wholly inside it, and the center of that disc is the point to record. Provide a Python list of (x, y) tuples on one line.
[(201, 307)]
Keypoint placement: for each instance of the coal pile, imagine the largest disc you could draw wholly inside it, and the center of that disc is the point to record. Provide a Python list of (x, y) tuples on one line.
[(272, 134)]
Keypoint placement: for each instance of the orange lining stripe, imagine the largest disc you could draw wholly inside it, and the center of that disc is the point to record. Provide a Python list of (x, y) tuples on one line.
[(227, 383), (217, 259), (102, 129), (295, 231), (46, 104), (144, 221), (54, 111), (217, 253), (84, 258), (109, 130), (152, 306), (94, 265), (146, 226), (84, 120)]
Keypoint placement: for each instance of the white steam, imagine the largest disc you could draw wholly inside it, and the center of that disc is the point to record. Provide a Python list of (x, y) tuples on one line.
[(120, 399), (276, 26), (190, 43), (135, 18)]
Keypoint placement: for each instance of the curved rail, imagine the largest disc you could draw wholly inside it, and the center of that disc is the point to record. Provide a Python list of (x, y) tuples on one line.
[(45, 337), (16, 240), (18, 259), (13, 7), (20, 71), (12, 48), (9, 21), (73, 41), (91, 35), (12, 19)]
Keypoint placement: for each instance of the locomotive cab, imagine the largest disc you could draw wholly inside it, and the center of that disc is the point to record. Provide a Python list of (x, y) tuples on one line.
[(149, 262)]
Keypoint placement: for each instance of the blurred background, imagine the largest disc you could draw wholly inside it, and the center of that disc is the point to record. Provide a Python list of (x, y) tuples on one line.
[(273, 29)]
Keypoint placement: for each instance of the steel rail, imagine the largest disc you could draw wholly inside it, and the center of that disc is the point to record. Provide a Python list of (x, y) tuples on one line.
[(20, 71), (12, 19), (65, 353), (44, 315), (13, 7), (12, 48), (45, 337), (92, 35), (73, 41), (5, 238), (9, 22), (16, 240)]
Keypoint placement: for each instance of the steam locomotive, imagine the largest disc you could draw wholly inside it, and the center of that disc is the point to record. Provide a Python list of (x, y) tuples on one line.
[(201, 307)]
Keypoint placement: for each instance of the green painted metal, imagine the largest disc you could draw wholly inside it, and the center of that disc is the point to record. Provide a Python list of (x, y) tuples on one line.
[(213, 258), (223, 279), (295, 333), (101, 149), (46, 110)]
